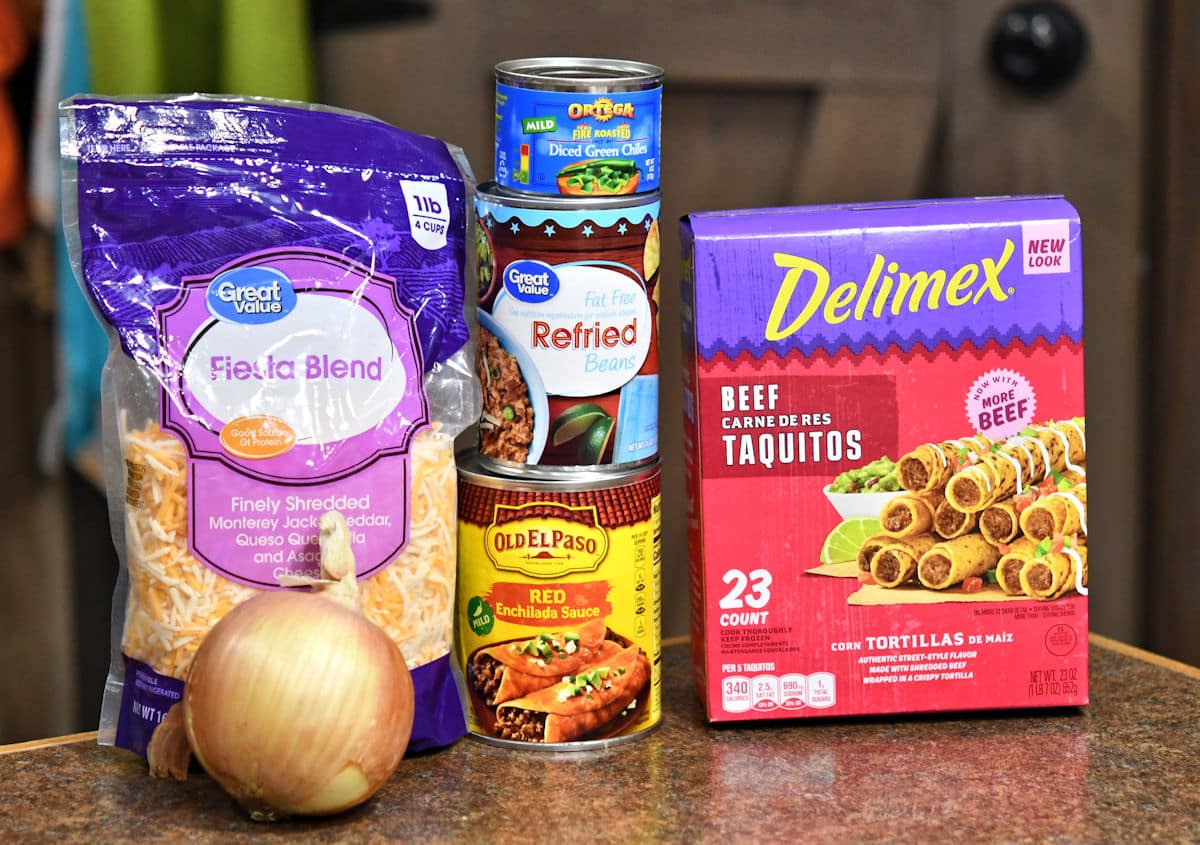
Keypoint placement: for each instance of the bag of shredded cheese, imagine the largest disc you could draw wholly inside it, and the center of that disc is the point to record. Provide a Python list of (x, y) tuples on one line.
[(283, 289)]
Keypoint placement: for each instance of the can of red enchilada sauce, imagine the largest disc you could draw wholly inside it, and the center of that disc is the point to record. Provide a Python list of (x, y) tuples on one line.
[(559, 605), (568, 331), (578, 127)]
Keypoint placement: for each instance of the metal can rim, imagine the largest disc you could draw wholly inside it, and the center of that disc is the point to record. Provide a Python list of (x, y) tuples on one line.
[(558, 472), (500, 195), (573, 746), (472, 469), (578, 73)]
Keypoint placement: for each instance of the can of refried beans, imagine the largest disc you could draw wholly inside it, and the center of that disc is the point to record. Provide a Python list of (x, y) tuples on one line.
[(568, 331), (559, 605)]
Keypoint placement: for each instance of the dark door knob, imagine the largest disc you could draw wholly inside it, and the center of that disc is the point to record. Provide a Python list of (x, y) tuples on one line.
[(1038, 47)]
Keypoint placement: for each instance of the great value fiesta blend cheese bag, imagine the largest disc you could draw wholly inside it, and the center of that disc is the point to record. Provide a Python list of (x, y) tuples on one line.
[(886, 457), (283, 289)]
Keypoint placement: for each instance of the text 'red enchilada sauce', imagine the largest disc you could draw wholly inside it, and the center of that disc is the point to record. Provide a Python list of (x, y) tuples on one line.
[(559, 606), (568, 341)]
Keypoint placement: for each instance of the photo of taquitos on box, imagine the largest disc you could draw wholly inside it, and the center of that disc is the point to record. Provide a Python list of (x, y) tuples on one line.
[(1005, 469), (981, 521)]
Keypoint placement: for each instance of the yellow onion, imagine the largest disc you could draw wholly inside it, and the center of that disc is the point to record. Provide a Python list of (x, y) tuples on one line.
[(296, 704)]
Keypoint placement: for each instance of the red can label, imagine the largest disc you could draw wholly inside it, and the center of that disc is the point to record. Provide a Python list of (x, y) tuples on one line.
[(568, 342)]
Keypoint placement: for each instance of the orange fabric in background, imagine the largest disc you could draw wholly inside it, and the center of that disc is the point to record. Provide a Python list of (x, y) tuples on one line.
[(14, 214)]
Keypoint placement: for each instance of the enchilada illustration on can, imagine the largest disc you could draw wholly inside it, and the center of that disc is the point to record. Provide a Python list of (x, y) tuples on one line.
[(559, 606), (568, 340), (578, 127)]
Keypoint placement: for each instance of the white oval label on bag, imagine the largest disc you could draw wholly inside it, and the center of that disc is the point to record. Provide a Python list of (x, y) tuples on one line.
[(328, 369), (591, 337)]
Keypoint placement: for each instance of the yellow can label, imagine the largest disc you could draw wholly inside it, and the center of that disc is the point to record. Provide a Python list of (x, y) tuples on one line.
[(559, 609)]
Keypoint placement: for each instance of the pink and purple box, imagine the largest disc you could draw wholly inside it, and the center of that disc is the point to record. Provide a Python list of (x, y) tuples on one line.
[(817, 340)]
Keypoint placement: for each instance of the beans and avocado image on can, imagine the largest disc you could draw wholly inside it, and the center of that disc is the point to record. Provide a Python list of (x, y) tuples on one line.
[(559, 606), (568, 331), (578, 127)]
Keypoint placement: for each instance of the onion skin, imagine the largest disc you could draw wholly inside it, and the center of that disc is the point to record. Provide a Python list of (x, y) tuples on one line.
[(298, 705)]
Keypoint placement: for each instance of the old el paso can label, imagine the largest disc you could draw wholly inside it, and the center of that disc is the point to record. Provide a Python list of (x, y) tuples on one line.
[(578, 127), (568, 341), (559, 606)]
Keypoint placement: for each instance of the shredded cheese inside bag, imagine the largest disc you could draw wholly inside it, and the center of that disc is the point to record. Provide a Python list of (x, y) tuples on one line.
[(174, 598), (285, 310), (413, 598)]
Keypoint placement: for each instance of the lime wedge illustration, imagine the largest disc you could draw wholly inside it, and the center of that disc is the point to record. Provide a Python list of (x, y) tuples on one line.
[(575, 421), (595, 441), (845, 540)]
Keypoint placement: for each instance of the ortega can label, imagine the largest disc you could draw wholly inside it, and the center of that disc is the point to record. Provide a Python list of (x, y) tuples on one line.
[(560, 606), (578, 127), (568, 330)]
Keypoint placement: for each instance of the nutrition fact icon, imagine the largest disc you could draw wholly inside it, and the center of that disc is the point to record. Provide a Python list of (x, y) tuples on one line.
[(793, 691)]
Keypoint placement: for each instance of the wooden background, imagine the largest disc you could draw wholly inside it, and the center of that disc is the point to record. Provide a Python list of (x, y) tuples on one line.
[(1170, 557)]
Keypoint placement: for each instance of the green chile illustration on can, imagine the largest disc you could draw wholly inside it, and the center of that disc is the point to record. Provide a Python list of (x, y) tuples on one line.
[(599, 177), (480, 616), (485, 262)]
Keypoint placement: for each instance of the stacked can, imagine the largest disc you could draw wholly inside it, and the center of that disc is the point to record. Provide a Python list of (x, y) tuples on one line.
[(559, 507)]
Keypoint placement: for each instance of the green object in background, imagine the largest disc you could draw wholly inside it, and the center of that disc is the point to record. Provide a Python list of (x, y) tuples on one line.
[(595, 440), (259, 48), (124, 46), (574, 421), (847, 537), (266, 49), (190, 34)]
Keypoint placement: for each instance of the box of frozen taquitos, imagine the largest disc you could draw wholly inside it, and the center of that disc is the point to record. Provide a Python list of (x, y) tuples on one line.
[(885, 451)]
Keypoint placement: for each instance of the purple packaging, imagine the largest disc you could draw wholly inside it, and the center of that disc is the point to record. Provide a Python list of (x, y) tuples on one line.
[(283, 286), (886, 457)]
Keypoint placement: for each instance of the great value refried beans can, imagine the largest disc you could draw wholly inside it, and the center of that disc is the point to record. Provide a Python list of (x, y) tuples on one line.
[(559, 605), (578, 127), (568, 340)]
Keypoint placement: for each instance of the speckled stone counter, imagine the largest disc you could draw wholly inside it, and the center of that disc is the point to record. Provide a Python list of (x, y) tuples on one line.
[(1125, 769)]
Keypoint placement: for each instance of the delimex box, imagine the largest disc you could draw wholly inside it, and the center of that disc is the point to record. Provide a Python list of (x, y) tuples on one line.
[(886, 457)]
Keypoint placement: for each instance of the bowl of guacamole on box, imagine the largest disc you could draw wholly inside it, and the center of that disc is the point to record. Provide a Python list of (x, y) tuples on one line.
[(863, 491)]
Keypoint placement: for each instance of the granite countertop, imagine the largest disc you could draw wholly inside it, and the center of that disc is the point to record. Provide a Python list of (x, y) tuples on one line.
[(1127, 768)]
